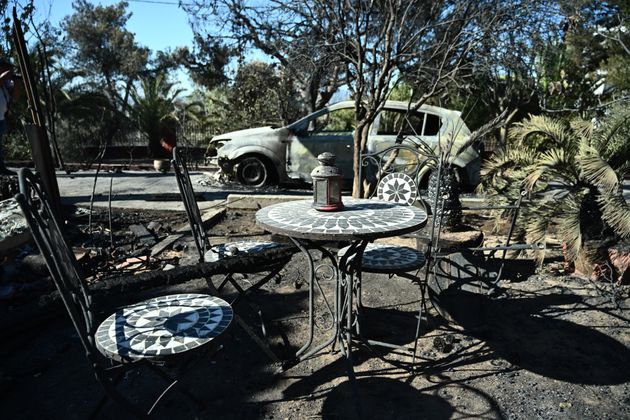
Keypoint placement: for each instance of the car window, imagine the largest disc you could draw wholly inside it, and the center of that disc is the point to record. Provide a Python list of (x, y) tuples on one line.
[(340, 121), (393, 122), (432, 125)]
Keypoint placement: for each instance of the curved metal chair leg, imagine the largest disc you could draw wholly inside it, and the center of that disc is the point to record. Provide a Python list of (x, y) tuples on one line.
[(241, 323)]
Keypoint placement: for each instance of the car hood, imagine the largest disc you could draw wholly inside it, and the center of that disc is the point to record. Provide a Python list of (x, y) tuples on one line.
[(244, 133)]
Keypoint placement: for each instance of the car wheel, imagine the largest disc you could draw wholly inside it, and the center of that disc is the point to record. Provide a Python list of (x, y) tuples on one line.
[(253, 172)]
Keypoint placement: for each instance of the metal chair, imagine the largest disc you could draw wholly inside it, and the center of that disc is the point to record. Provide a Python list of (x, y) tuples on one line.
[(394, 171), (154, 331), (208, 253), (493, 258)]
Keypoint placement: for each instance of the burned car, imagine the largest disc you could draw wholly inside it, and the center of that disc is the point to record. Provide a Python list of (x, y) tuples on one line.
[(270, 155)]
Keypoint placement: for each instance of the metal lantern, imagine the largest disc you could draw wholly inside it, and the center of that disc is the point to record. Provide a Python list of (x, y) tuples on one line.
[(327, 184)]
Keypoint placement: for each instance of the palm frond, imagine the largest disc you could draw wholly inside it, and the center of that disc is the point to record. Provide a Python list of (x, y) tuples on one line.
[(498, 163), (539, 220), (542, 132), (552, 164), (616, 213), (569, 227), (612, 136), (582, 128), (596, 170), (475, 136)]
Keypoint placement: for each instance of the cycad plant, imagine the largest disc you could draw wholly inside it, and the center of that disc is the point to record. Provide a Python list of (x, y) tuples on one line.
[(579, 166)]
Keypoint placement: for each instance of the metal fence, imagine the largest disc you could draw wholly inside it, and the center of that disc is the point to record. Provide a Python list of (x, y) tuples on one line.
[(189, 134)]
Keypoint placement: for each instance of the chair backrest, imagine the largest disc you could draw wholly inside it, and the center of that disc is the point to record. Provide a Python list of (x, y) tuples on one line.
[(190, 204), (395, 171), (397, 187), (58, 256)]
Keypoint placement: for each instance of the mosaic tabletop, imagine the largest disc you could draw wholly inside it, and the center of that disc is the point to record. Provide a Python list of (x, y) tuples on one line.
[(163, 326), (360, 219)]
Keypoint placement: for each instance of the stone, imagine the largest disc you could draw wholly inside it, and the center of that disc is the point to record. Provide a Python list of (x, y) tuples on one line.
[(465, 238), (620, 259), (34, 263), (14, 231), (460, 237), (154, 226)]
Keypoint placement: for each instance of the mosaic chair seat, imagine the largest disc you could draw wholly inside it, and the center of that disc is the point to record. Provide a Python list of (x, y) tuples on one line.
[(146, 334), (399, 188), (212, 253)]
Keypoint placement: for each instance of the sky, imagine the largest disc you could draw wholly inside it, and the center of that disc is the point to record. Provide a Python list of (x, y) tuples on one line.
[(156, 24)]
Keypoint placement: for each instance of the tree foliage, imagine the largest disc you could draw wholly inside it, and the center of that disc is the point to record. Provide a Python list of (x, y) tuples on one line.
[(156, 108), (293, 34), (102, 51)]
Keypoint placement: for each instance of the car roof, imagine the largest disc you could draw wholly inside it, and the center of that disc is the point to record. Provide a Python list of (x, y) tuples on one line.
[(402, 105), (398, 105)]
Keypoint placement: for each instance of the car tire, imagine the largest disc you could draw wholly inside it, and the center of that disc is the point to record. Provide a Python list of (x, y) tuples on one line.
[(253, 171)]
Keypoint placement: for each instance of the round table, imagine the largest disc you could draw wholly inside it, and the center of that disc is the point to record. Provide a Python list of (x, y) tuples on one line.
[(163, 326), (360, 219), (360, 222)]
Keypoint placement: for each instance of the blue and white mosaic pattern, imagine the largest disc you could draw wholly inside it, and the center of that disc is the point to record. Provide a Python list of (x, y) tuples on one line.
[(360, 219), (163, 326), (397, 187), (389, 258), (230, 249)]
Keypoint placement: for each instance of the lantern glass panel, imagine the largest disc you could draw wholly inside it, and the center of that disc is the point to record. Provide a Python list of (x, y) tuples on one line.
[(335, 194), (321, 192)]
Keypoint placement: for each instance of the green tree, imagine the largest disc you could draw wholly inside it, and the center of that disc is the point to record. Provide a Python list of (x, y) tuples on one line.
[(262, 95), (370, 47), (24, 11), (155, 107), (103, 54), (585, 66), (293, 34)]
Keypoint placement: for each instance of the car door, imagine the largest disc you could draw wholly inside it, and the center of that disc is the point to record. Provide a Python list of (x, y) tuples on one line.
[(326, 132)]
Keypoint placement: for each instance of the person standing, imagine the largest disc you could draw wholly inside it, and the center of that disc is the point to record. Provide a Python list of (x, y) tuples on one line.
[(7, 85)]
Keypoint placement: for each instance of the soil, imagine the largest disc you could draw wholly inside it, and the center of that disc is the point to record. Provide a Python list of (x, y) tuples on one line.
[(544, 345)]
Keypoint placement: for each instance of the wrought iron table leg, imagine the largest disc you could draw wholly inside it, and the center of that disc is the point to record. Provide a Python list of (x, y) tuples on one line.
[(344, 320), (311, 297), (241, 323), (348, 266), (302, 353)]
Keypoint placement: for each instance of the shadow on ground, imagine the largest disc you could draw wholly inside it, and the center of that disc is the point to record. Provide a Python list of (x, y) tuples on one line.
[(528, 331)]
